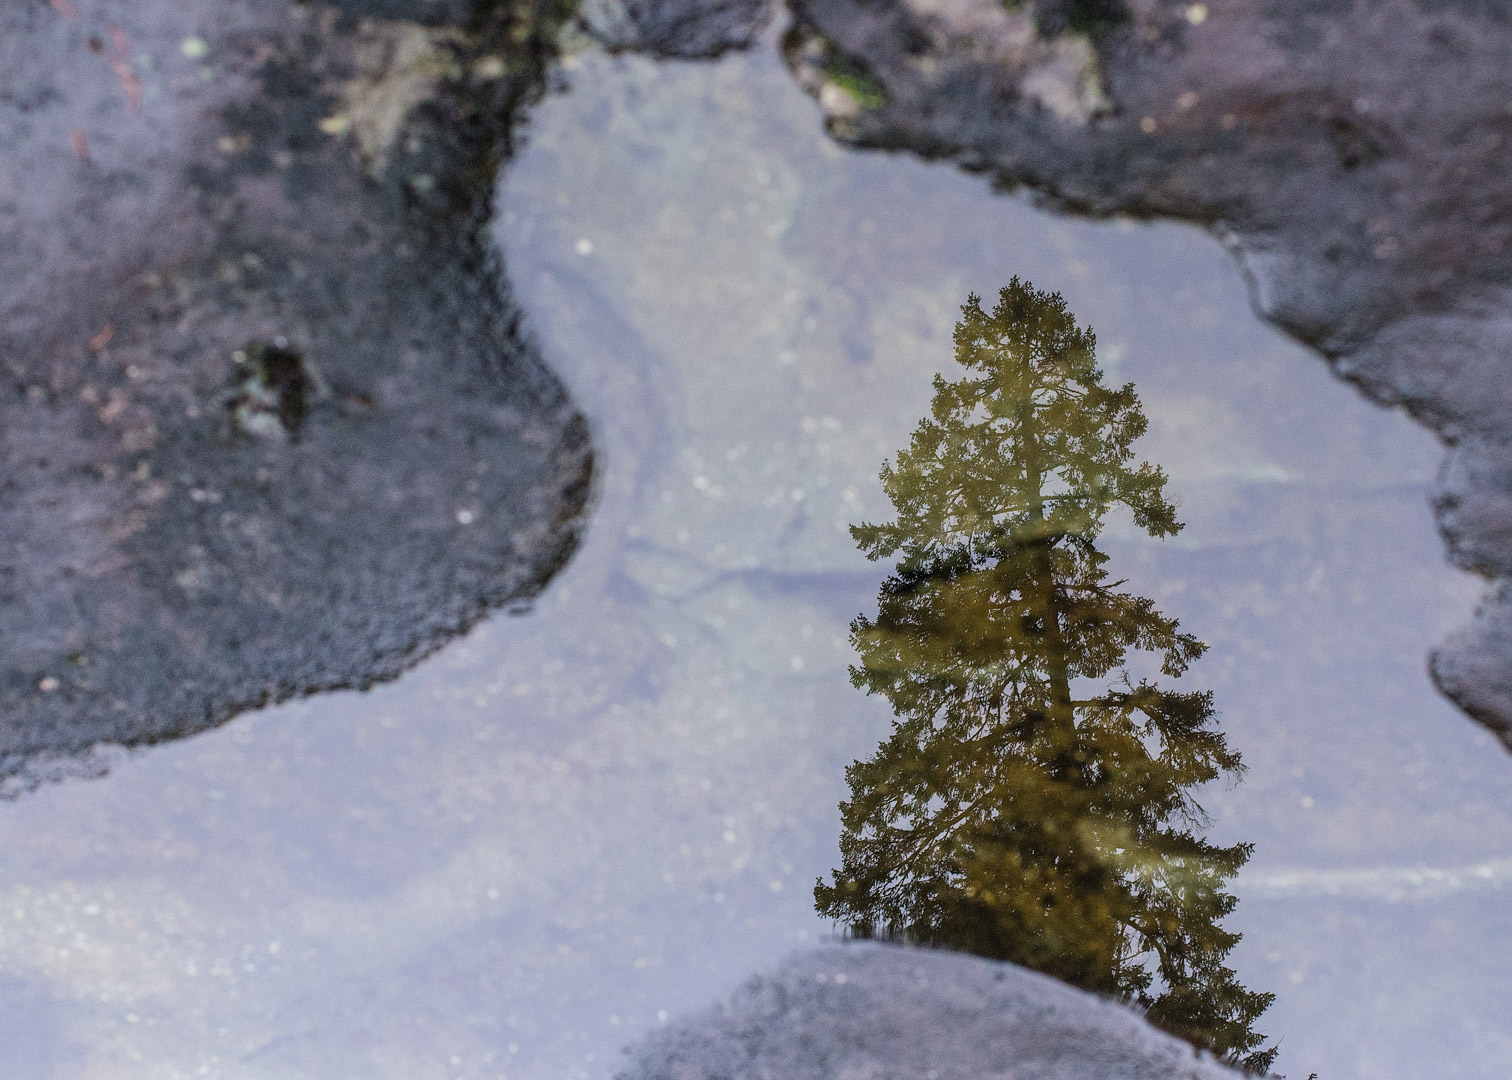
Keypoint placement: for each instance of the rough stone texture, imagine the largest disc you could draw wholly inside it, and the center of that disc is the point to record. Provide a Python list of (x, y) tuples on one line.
[(267, 422), (877, 1012), (675, 29)]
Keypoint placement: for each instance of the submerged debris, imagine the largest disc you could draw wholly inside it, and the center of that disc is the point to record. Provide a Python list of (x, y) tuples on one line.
[(273, 392)]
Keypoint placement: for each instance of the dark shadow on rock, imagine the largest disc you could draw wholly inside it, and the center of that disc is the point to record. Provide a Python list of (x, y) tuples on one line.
[(424, 12), (269, 423), (675, 29)]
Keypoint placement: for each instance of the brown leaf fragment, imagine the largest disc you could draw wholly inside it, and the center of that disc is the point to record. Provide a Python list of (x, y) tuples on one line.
[(130, 83)]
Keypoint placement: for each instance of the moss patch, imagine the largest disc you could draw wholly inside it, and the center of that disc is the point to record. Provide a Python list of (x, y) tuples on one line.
[(866, 91)]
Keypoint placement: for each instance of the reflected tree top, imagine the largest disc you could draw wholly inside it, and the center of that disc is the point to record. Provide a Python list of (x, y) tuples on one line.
[(1035, 801)]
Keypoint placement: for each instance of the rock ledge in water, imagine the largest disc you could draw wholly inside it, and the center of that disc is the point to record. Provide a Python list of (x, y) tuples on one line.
[(876, 1012), (268, 422), (1356, 157)]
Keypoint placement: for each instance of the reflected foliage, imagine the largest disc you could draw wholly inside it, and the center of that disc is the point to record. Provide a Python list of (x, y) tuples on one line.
[(1035, 801)]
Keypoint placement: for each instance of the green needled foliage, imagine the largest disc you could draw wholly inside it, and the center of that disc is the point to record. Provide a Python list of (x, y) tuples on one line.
[(1034, 802)]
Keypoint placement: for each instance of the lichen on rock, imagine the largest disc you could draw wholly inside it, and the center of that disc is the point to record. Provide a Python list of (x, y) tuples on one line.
[(1058, 74), (400, 66)]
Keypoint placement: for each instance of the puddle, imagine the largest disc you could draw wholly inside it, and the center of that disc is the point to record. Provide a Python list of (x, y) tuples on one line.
[(575, 824)]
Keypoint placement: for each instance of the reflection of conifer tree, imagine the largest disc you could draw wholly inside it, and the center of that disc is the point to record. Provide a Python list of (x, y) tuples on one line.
[(1034, 802)]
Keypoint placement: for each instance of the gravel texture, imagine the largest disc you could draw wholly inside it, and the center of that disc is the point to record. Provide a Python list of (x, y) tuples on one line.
[(268, 422)]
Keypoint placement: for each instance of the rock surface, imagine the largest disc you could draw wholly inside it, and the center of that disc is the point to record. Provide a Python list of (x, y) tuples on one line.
[(675, 29), (876, 1012), (269, 424), (1357, 157)]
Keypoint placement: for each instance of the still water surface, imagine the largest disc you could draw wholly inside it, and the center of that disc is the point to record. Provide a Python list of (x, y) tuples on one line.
[(573, 825)]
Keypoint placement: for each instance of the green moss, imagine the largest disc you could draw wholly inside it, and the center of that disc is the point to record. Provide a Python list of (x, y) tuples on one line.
[(866, 91)]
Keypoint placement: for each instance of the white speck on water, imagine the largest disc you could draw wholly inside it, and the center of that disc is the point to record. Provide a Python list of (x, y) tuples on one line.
[(584, 246), (465, 517)]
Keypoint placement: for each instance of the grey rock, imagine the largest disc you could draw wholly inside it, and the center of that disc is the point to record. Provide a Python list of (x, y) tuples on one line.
[(675, 29), (268, 421), (1357, 158), (879, 1012), (424, 12)]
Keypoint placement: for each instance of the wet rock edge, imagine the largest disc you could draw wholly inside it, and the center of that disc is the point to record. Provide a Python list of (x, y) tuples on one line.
[(187, 540)]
